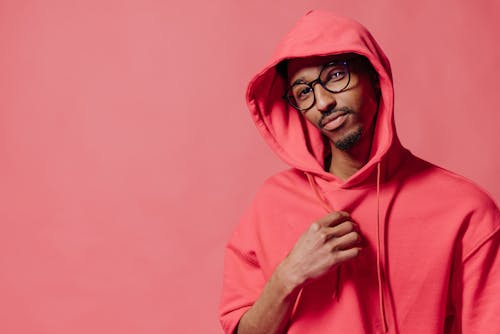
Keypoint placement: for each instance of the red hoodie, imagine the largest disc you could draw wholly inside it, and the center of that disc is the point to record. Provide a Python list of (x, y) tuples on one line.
[(430, 264)]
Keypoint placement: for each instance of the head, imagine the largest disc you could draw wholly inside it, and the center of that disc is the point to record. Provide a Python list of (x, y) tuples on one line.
[(338, 94)]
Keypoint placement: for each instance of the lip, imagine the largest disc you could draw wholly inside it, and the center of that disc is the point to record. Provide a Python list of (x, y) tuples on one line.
[(334, 121)]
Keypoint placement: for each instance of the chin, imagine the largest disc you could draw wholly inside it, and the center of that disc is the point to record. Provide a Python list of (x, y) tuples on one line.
[(348, 140)]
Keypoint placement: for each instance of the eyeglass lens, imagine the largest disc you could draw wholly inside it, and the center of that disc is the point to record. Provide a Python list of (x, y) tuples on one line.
[(334, 77)]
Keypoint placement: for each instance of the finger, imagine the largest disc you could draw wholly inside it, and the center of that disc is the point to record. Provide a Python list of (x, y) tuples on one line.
[(341, 229), (327, 233), (345, 255), (346, 241), (333, 218)]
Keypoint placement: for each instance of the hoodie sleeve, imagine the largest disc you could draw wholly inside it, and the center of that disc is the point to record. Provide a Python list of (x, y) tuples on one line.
[(476, 278), (243, 277)]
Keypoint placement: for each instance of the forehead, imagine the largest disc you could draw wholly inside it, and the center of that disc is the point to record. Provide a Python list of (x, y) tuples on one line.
[(301, 68)]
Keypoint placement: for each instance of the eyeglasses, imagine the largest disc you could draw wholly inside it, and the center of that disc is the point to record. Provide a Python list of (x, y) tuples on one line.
[(334, 77)]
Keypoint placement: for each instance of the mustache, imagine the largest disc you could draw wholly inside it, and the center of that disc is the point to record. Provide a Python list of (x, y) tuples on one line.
[(343, 110)]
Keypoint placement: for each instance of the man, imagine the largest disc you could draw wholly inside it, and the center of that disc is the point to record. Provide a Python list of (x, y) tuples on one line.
[(359, 236)]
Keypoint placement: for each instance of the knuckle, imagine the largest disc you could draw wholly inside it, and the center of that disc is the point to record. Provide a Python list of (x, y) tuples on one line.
[(314, 227)]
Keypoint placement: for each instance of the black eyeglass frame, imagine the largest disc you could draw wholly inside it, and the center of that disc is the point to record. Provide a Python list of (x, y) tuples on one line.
[(311, 84)]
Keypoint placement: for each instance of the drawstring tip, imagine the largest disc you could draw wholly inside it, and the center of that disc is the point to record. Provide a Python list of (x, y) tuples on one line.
[(380, 244)]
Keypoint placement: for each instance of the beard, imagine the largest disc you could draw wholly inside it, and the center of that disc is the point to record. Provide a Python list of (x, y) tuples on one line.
[(347, 142)]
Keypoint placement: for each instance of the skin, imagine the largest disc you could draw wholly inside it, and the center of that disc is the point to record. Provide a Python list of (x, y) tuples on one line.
[(332, 239)]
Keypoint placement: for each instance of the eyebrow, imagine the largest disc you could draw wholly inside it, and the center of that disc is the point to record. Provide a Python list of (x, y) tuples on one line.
[(334, 60), (298, 81)]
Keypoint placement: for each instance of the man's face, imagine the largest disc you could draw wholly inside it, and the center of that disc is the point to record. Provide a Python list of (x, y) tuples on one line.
[(345, 117)]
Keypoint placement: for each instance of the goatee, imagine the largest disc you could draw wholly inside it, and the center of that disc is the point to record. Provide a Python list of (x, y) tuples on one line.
[(349, 141)]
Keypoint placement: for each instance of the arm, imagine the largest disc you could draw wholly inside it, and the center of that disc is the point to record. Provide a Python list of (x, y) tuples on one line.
[(475, 289), (325, 244), (272, 310)]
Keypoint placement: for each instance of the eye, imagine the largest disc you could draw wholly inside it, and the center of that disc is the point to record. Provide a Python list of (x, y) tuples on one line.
[(333, 73), (304, 92), (301, 92)]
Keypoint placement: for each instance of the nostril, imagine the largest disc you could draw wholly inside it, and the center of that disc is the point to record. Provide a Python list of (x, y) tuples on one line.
[(325, 100)]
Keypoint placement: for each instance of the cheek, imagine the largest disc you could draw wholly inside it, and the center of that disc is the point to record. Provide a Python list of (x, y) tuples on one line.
[(367, 106), (312, 117)]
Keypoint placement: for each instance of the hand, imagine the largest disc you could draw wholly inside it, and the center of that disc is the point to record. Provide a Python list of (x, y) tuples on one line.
[(326, 243)]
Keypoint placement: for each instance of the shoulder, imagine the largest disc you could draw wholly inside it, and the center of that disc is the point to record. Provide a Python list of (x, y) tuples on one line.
[(286, 177), (288, 180), (270, 225), (453, 199), (444, 185), (275, 192), (284, 200)]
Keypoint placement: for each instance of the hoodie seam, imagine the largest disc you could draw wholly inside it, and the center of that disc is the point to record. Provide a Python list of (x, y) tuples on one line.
[(480, 244)]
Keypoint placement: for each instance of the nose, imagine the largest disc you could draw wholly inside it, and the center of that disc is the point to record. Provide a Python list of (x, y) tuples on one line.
[(325, 100)]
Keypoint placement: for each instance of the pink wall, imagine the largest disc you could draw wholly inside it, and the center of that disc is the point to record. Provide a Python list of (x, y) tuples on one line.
[(127, 155)]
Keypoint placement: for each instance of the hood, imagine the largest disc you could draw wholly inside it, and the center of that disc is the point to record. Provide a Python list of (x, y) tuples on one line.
[(291, 137)]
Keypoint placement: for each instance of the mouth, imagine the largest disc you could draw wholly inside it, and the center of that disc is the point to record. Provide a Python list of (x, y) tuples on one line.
[(334, 121)]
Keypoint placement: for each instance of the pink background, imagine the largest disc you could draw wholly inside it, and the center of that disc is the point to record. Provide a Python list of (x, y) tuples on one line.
[(127, 155)]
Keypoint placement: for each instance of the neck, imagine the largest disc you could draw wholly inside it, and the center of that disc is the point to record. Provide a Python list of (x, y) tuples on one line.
[(344, 164)]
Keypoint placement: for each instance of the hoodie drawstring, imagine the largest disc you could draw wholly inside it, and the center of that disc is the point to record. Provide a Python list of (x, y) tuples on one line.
[(379, 266), (329, 208), (322, 199)]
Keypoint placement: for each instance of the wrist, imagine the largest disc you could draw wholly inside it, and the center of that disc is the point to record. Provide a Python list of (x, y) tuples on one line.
[(289, 282)]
